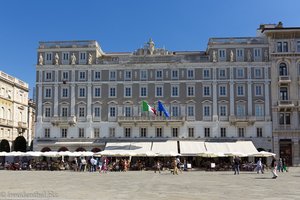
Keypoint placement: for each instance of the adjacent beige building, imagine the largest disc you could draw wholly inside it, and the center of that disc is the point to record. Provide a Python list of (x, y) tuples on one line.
[(15, 132)]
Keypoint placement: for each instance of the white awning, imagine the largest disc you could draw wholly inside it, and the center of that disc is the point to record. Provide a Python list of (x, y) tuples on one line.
[(167, 148), (191, 148), (117, 146), (244, 147), (217, 148), (141, 148)]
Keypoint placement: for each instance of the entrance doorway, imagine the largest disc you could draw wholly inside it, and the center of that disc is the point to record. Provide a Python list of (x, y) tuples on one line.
[(285, 151)]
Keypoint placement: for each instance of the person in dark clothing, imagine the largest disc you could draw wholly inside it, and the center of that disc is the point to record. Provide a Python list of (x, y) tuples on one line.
[(236, 165)]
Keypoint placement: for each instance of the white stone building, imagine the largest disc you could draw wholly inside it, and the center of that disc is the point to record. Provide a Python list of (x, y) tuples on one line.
[(15, 134)]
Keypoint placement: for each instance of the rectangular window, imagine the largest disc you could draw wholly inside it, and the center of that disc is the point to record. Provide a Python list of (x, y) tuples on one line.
[(190, 73), (48, 92), (257, 52), (222, 73), (48, 76), (81, 132), (223, 132), (47, 132), (206, 132), (112, 92), (258, 132), (279, 46), (143, 75), (127, 132), (222, 90), (284, 118), (64, 112), (206, 73), (143, 91), (64, 132), (258, 90), (191, 132), (206, 111), (298, 46), (47, 112), (240, 90), (81, 92), (65, 93), (112, 132), (175, 74), (112, 111), (259, 110), (240, 73), (97, 92), (240, 53), (241, 132), (48, 57), (159, 74), (112, 75), (96, 132), (222, 54), (206, 91), (174, 132), (158, 132), (81, 111), (190, 91), (240, 111), (127, 91), (82, 75), (175, 90), (257, 73), (65, 58), (65, 76), (285, 47), (97, 75), (159, 91), (97, 111), (175, 111), (127, 111), (127, 75), (143, 132), (191, 112), (223, 111)]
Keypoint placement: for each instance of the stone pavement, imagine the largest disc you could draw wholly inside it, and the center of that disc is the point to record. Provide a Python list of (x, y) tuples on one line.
[(50, 185)]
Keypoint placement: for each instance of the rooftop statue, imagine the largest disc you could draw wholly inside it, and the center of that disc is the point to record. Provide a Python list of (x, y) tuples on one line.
[(90, 60), (41, 59), (73, 59), (56, 59)]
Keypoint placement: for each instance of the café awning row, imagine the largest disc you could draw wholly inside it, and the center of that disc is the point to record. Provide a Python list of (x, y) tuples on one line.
[(192, 148)]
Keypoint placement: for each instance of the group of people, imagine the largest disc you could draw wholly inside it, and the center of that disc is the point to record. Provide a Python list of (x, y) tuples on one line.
[(92, 165), (275, 166)]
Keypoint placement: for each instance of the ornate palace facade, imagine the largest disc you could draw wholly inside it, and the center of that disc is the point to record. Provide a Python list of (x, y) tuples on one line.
[(86, 97)]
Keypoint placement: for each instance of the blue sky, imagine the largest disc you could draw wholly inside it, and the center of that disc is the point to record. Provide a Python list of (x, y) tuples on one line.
[(123, 26)]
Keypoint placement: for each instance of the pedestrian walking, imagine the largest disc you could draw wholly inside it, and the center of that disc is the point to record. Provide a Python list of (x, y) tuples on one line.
[(274, 167), (236, 165), (259, 166)]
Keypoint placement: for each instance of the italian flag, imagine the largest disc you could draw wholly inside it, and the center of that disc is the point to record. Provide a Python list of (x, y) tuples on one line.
[(146, 107)]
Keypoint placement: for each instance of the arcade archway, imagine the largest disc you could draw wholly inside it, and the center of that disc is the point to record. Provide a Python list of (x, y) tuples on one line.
[(20, 144)]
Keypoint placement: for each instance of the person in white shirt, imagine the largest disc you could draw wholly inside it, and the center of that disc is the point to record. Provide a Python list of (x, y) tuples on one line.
[(259, 166)]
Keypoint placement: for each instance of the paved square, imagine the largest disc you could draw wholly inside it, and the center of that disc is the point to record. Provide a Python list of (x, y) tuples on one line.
[(56, 185)]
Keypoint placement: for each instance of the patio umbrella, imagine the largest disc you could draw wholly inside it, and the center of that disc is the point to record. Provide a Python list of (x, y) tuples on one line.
[(51, 154), (16, 153), (3, 153), (33, 153), (239, 154), (263, 154), (208, 154)]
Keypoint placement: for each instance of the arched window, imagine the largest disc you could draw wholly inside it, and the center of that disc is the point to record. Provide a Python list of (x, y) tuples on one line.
[(283, 69), (8, 114)]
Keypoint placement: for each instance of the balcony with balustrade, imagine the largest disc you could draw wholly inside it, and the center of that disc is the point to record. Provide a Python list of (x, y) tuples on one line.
[(150, 120), (242, 120), (62, 121), (6, 122), (284, 80)]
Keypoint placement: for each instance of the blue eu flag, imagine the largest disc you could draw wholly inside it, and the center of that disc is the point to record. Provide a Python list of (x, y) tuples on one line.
[(161, 108)]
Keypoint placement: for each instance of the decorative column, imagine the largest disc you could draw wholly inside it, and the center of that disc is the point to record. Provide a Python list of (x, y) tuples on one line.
[(215, 102), (55, 112), (250, 113), (40, 103), (295, 153), (232, 98)]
